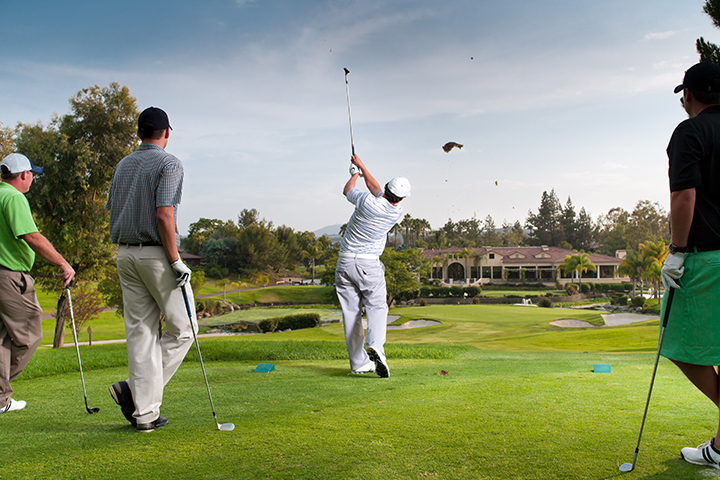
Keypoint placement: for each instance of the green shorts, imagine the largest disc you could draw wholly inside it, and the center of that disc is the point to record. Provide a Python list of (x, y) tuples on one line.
[(692, 334)]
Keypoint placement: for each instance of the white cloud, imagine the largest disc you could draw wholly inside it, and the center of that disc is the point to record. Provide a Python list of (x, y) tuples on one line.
[(659, 35)]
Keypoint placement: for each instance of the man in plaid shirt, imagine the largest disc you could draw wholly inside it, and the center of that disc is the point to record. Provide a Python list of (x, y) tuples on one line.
[(144, 194)]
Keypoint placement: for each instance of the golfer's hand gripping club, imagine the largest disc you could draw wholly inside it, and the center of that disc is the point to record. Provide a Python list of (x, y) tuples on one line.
[(673, 269), (183, 272), (354, 169)]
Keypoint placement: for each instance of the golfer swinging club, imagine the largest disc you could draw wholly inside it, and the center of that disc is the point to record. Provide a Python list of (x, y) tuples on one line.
[(359, 274)]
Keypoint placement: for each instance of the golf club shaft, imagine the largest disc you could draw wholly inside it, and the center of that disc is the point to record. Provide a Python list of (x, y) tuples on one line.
[(347, 92), (77, 348), (197, 345), (657, 358)]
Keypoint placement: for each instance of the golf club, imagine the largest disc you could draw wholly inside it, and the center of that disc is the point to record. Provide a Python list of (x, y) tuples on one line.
[(77, 349), (627, 467), (347, 92), (224, 426)]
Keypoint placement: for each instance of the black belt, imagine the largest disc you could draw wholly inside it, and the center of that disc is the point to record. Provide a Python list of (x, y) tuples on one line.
[(703, 248), (143, 244)]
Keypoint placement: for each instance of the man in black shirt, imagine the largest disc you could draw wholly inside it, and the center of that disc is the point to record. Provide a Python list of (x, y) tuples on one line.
[(692, 337)]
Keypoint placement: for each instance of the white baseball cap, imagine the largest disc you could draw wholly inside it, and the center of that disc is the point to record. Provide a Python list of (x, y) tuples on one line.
[(399, 186), (18, 163)]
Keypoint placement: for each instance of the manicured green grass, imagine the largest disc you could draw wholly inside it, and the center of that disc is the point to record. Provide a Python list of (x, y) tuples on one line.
[(495, 415), (518, 401)]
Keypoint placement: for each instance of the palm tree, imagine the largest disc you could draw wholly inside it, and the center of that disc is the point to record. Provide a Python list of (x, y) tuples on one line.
[(633, 266), (578, 263), (313, 252), (407, 223), (653, 254)]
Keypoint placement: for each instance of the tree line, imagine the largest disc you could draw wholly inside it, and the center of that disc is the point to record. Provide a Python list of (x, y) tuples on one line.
[(553, 224)]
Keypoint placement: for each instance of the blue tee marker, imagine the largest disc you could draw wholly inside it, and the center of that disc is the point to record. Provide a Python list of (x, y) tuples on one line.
[(601, 368), (264, 368)]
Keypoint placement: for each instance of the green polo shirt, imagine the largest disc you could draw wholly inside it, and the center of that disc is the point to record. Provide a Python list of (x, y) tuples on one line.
[(15, 220)]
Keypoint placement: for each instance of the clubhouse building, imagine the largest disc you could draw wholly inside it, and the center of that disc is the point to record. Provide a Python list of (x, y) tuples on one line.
[(485, 265)]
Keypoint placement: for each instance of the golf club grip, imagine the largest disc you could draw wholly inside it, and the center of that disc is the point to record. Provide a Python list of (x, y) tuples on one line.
[(666, 314)]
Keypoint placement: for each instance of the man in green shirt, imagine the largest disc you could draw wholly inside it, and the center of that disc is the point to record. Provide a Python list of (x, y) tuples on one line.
[(20, 241)]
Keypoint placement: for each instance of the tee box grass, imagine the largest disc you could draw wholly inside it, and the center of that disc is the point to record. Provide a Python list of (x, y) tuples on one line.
[(493, 392)]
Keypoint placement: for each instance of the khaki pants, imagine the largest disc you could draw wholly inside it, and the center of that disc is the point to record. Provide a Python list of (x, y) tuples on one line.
[(149, 287), (358, 283), (20, 327)]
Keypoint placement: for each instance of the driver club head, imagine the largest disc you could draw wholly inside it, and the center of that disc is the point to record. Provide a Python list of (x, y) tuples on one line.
[(346, 71), (626, 467), (228, 427)]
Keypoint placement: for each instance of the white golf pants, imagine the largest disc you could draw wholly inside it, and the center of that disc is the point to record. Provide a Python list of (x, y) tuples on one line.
[(358, 282), (149, 287)]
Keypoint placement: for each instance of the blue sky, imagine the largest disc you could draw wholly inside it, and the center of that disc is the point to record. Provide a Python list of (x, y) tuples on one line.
[(549, 94)]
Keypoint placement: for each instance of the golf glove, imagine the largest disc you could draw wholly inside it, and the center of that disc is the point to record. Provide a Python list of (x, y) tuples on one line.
[(354, 169), (183, 272), (672, 270)]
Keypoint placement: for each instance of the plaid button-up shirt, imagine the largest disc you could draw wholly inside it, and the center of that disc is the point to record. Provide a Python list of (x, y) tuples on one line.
[(146, 179)]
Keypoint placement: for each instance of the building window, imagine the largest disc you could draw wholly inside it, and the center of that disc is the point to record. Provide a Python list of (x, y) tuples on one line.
[(486, 272), (491, 256), (496, 272)]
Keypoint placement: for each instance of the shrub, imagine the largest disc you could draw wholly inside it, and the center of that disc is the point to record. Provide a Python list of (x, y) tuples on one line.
[(423, 302), (549, 294), (213, 307), (426, 291), (544, 302), (619, 299), (585, 287), (476, 300), (292, 322), (571, 289), (637, 301), (473, 291), (456, 291)]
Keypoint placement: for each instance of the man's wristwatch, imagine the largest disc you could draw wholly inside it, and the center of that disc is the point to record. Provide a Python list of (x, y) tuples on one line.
[(675, 249)]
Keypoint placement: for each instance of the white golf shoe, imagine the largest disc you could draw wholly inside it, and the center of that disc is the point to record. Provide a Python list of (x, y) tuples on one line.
[(13, 405), (367, 368), (381, 366), (705, 454)]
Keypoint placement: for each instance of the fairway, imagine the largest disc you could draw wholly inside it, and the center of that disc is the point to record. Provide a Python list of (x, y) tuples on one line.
[(519, 400)]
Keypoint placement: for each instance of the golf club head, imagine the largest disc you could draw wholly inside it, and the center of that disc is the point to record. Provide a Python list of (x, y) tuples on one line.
[(228, 427), (93, 410), (346, 71), (626, 467)]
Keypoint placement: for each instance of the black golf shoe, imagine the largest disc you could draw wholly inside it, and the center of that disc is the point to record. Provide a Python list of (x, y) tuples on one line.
[(122, 395), (150, 427)]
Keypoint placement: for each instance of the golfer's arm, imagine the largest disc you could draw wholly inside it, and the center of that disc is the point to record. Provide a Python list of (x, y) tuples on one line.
[(682, 207), (350, 184), (44, 249), (166, 228), (371, 183)]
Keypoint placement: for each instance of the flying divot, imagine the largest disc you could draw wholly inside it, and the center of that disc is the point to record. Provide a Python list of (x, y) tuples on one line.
[(450, 145)]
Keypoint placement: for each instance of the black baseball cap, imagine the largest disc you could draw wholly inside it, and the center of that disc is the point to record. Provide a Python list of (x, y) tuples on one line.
[(156, 117), (701, 77)]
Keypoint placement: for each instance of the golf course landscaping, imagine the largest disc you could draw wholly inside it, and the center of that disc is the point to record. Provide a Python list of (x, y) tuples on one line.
[(492, 392)]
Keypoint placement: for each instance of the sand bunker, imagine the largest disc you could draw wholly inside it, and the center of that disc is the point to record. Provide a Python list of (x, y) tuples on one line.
[(611, 320)]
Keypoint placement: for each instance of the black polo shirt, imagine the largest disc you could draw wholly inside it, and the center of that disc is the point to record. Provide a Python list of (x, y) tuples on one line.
[(694, 154)]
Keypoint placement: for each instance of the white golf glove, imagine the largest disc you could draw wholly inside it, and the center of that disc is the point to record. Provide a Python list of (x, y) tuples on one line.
[(354, 169), (183, 272), (672, 269)]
